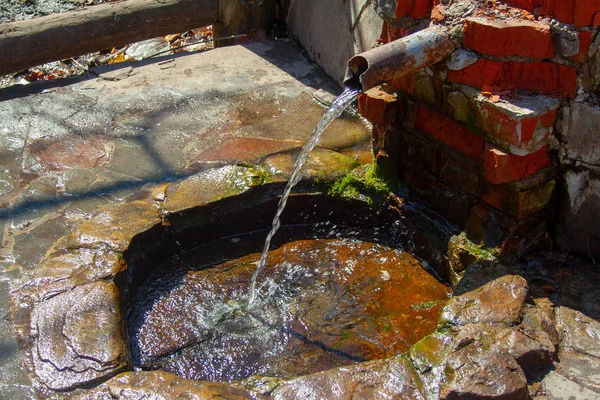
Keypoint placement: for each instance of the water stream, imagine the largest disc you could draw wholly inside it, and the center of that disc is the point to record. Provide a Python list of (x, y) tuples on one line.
[(336, 109)]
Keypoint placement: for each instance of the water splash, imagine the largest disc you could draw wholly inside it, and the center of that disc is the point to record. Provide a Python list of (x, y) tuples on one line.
[(336, 109)]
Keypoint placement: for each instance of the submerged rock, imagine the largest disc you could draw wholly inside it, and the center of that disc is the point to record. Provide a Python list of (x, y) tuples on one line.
[(325, 303)]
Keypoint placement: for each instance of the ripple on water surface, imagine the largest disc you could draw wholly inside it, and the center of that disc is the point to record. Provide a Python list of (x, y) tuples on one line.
[(324, 303)]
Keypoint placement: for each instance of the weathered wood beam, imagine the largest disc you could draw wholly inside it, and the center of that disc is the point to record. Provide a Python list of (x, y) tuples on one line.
[(24, 44)]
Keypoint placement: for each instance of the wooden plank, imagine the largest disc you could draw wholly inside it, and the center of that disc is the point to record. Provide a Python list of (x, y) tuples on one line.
[(24, 44)]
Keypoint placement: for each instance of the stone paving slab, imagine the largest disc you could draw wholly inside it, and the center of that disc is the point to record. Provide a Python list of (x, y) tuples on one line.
[(69, 148)]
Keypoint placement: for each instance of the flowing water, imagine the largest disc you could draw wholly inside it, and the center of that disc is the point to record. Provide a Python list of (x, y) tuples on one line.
[(336, 109)]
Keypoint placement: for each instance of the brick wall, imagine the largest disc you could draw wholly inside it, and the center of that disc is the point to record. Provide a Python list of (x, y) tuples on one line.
[(503, 138)]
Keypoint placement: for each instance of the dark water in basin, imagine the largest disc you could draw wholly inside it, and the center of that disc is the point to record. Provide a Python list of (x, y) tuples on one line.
[(326, 303)]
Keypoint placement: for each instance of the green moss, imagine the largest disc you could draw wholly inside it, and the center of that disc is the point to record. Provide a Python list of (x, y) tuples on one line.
[(480, 252), (425, 305), (369, 183), (261, 177)]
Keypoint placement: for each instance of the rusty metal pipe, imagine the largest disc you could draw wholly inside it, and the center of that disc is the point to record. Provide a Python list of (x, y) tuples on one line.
[(397, 58)]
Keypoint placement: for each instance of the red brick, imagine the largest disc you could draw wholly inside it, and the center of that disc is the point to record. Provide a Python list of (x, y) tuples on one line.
[(388, 139), (562, 10), (519, 204), (585, 39), (438, 13), (514, 131), (547, 120), (420, 152), (501, 167), (587, 13), (578, 12), (405, 83), (508, 38), (449, 131), (528, 5), (460, 172), (476, 225), (422, 9), (495, 76), (417, 9), (377, 106), (522, 121), (389, 33), (446, 201)]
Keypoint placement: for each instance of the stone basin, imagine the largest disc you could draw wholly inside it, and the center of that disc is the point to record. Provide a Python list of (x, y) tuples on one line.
[(110, 297), (326, 303), (339, 290)]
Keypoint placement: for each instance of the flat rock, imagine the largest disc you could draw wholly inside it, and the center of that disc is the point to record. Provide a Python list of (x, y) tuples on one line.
[(579, 332), (499, 301), (79, 338), (322, 164), (557, 387), (71, 152), (113, 228), (382, 379), (160, 385), (472, 373), (210, 185)]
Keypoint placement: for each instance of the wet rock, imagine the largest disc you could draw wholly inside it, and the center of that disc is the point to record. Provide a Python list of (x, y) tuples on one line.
[(77, 337), (71, 152), (471, 373), (499, 301), (431, 351), (557, 387), (579, 332), (136, 157), (79, 266), (540, 326), (581, 368), (542, 316), (322, 164), (113, 228), (532, 356), (428, 356), (30, 246), (209, 186), (580, 346), (391, 378), (162, 385), (326, 303), (245, 149)]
